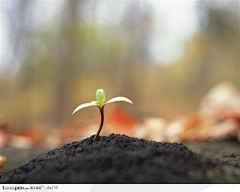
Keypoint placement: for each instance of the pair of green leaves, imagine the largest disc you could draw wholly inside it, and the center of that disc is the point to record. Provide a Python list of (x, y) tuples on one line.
[(100, 94)]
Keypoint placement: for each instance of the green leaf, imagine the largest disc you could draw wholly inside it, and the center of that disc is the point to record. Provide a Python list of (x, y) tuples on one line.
[(115, 99), (93, 103), (100, 94), (100, 103)]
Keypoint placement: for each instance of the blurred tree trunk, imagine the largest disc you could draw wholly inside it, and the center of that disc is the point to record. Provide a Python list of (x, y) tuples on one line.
[(137, 24), (65, 62), (21, 44), (21, 34)]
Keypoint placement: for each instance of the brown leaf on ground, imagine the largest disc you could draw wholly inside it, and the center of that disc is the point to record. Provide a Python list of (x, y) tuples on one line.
[(201, 127), (3, 161), (6, 128), (196, 128), (122, 121)]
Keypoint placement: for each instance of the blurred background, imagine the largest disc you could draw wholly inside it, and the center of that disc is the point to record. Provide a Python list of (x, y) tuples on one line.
[(178, 61)]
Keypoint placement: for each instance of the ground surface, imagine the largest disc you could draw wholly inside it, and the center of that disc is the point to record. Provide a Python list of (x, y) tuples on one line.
[(16, 156), (223, 150), (122, 159)]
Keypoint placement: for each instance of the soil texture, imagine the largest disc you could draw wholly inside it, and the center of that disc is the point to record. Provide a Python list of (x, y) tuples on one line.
[(123, 159)]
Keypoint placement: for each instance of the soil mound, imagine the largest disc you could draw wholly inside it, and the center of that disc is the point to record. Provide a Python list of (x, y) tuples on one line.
[(122, 159)]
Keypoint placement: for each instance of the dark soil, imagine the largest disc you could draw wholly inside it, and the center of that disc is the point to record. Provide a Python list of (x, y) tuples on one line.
[(123, 159), (16, 157)]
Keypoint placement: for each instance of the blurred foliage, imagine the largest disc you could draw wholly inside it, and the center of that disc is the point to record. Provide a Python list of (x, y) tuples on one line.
[(64, 61)]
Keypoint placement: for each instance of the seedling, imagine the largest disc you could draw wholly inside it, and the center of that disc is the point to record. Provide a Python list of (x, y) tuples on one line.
[(100, 103)]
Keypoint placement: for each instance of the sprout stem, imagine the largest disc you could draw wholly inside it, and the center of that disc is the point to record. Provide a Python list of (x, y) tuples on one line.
[(101, 125)]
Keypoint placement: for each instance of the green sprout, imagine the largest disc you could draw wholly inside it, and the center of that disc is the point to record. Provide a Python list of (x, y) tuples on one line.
[(100, 103)]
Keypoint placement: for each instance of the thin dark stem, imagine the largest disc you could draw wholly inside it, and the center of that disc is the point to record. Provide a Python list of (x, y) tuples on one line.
[(101, 125)]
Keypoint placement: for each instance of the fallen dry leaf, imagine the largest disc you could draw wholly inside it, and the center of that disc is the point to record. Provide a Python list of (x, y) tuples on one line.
[(3, 161)]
